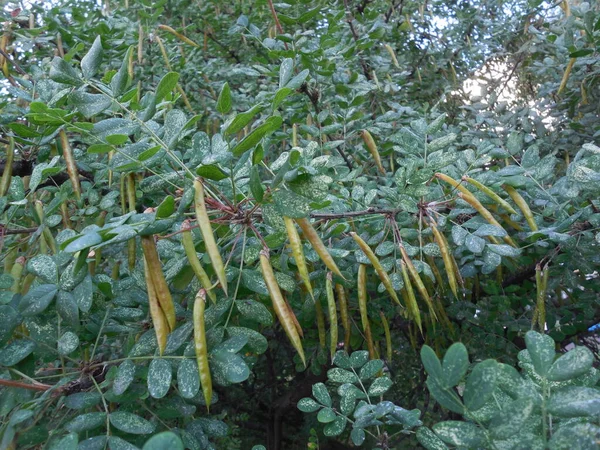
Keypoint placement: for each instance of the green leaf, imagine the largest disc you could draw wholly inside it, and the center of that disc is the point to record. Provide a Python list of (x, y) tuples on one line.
[(269, 126), (370, 369), (117, 443), (90, 63), (16, 352), (429, 440), (575, 436), (175, 122), (509, 421), (124, 377), (292, 205), (285, 71), (188, 379), (242, 119), (480, 384), (86, 422), (9, 318), (256, 341), (456, 363), (461, 434), (475, 244), (164, 440), (321, 394), (336, 427), (83, 400), (445, 397), (229, 367), (341, 376), (131, 423), (166, 85), (504, 250), (432, 364), (358, 436), (255, 184), (68, 343), (37, 299), (255, 311), (118, 83), (380, 386), (89, 104), (224, 100), (68, 442), (62, 72), (308, 405), (572, 364), (297, 81), (44, 267), (82, 242), (326, 415), (159, 377), (166, 207), (359, 359), (280, 96), (212, 172), (575, 401), (541, 351)]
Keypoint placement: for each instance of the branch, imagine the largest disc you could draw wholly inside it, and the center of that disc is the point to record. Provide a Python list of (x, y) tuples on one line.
[(366, 212), (5, 231), (13, 62), (21, 385), (363, 63)]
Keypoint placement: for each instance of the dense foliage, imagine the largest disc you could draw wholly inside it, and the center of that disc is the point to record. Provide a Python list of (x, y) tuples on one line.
[(211, 210)]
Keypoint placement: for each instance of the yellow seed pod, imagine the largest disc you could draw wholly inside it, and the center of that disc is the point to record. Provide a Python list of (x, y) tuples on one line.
[(383, 276), (317, 244), (333, 321), (410, 298), (487, 215), (161, 326), (201, 347), (362, 306), (446, 257), (372, 147), (190, 251), (154, 270), (341, 296), (296, 246), (178, 35), (523, 206), (418, 281), (279, 305), (491, 194), (392, 53), (388, 336), (207, 233)]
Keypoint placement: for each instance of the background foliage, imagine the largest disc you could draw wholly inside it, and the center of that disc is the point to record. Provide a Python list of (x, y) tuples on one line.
[(268, 103)]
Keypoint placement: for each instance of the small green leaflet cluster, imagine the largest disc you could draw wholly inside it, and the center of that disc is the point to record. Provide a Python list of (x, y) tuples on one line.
[(360, 383), (553, 403)]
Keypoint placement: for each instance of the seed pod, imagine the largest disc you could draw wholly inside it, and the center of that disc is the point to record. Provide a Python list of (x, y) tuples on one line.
[(158, 280), (190, 252), (446, 257), (130, 193), (161, 326), (279, 305), (418, 282), (491, 194), (541, 281), (362, 306), (455, 184), (522, 204), (392, 53), (311, 235), (388, 336), (383, 276), (372, 147), (294, 318), (47, 237), (8, 166), (296, 246), (341, 296), (201, 347), (178, 35), (16, 272), (333, 321), (441, 284), (476, 204), (410, 299), (207, 234), (320, 324), (70, 162)]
